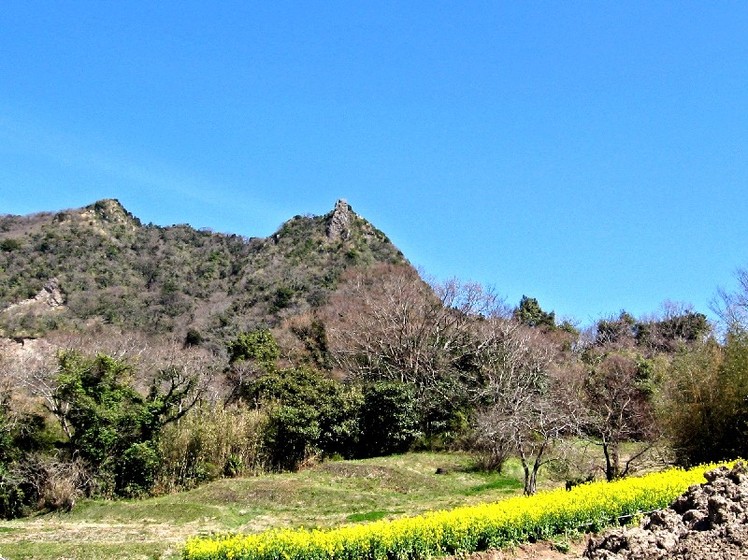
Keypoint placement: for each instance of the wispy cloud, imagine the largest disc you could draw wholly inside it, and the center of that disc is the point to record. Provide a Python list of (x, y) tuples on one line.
[(136, 174)]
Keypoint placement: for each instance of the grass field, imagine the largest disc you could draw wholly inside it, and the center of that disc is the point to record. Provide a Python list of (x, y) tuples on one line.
[(328, 494)]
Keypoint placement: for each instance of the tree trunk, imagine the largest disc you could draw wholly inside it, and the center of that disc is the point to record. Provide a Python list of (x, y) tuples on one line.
[(531, 474), (531, 481), (612, 460), (526, 469)]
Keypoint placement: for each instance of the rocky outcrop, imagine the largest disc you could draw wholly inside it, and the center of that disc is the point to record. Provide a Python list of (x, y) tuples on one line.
[(49, 297), (110, 210), (51, 294), (709, 522), (339, 224)]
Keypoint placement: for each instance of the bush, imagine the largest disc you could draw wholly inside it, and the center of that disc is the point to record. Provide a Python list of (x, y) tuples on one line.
[(703, 407), (389, 419), (257, 346), (210, 442), (137, 470), (309, 414), (58, 484), (9, 245), (292, 435), (12, 497)]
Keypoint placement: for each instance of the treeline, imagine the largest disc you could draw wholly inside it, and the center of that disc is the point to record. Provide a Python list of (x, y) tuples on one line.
[(389, 363)]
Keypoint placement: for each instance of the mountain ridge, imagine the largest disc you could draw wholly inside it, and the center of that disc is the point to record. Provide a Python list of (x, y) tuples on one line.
[(113, 269)]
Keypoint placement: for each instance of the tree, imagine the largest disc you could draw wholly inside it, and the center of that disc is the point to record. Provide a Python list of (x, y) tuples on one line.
[(529, 313), (114, 427), (386, 324), (678, 325), (618, 407), (251, 354), (524, 405), (619, 330), (732, 306)]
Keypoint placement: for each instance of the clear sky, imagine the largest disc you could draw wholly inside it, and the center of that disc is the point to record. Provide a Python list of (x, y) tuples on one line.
[(590, 154)]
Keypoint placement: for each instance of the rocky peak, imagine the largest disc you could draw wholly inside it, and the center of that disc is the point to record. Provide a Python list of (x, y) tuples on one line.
[(339, 223), (111, 210)]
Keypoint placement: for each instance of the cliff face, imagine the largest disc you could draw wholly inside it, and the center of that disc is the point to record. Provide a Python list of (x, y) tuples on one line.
[(339, 223), (101, 264)]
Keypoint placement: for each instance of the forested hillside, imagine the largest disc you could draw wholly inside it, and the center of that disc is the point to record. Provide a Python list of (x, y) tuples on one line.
[(112, 269)]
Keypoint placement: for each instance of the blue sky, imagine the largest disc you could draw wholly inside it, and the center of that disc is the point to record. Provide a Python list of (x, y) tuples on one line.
[(590, 154)]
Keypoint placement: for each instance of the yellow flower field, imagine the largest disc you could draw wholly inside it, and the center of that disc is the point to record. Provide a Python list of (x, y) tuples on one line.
[(467, 529)]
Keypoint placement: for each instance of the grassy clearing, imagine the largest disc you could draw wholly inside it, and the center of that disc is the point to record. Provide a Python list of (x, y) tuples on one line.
[(327, 495)]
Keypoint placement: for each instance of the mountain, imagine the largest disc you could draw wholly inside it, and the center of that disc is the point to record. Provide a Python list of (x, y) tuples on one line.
[(77, 268)]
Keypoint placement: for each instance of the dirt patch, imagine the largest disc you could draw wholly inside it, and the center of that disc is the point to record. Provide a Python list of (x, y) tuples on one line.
[(536, 551), (97, 533), (709, 522)]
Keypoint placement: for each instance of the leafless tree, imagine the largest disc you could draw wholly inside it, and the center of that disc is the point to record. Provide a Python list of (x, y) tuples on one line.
[(385, 323), (618, 409), (732, 306), (526, 406), (170, 369), (31, 369)]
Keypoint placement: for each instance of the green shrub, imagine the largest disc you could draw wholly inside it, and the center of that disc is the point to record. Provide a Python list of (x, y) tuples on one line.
[(389, 419), (292, 435), (309, 414), (258, 346), (8, 245), (137, 470), (12, 498)]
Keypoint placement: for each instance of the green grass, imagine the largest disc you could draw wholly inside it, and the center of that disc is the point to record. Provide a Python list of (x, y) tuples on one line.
[(369, 516), (327, 495), (507, 485)]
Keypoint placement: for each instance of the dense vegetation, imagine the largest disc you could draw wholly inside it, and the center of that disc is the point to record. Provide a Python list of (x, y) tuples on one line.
[(172, 357), (114, 270)]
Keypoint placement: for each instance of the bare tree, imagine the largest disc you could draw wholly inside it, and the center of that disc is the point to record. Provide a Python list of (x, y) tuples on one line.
[(32, 368), (732, 306), (618, 409), (385, 323), (526, 406), (180, 374)]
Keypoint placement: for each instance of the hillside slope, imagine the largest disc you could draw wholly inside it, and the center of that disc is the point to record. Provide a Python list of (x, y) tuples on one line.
[(103, 265)]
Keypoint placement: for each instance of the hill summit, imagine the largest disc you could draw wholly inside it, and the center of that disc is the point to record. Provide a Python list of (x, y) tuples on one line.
[(107, 267)]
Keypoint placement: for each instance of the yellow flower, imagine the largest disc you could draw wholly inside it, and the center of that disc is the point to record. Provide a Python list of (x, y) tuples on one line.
[(466, 529)]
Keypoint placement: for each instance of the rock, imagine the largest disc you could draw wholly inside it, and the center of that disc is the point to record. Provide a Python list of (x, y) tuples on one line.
[(51, 294), (708, 522), (339, 226), (49, 297)]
